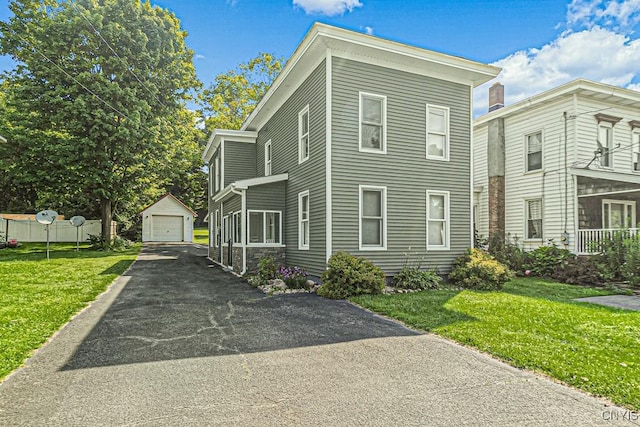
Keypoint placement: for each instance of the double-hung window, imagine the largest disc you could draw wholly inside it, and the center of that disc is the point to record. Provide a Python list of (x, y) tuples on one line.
[(303, 135), (635, 138), (534, 151), (373, 218), (534, 219), (225, 229), (218, 173), (267, 158), (605, 144), (373, 117), (216, 228), (303, 220), (265, 227), (437, 220), (237, 228), (437, 132)]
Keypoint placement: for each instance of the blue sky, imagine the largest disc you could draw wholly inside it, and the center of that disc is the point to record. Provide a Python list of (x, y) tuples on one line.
[(540, 44)]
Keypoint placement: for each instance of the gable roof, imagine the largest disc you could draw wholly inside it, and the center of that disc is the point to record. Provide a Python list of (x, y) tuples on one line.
[(174, 198), (322, 39), (600, 91)]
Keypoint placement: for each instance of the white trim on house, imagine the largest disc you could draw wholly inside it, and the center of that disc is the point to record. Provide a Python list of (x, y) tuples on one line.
[(236, 225), (526, 151), (217, 138), (279, 243), (304, 221), (446, 134), (268, 149), (383, 211), (446, 237), (243, 184), (526, 237), (365, 48), (328, 142), (606, 174), (635, 151), (301, 135), (383, 124)]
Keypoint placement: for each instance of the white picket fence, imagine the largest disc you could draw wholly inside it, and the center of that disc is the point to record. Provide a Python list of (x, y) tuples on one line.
[(59, 231)]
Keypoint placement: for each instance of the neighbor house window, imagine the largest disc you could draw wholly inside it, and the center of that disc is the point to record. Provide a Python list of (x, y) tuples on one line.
[(303, 220), (534, 219), (373, 218), (437, 220), (635, 137), (618, 214), (225, 229), (267, 158), (437, 132), (373, 111), (218, 173), (303, 135), (534, 151), (237, 228), (265, 227), (605, 144)]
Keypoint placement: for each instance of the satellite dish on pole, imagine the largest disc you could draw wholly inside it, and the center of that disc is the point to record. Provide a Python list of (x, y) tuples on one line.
[(77, 221), (47, 217)]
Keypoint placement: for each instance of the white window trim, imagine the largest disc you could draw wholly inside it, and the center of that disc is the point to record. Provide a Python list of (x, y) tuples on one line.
[(447, 222), (526, 219), (236, 233), (225, 230), (217, 177), (264, 229), (606, 144), (301, 158), (627, 203), (635, 151), (268, 158), (383, 190), (301, 245), (383, 143), (526, 152), (216, 227), (447, 134)]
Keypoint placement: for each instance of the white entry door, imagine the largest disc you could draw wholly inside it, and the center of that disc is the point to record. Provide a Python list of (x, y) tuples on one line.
[(167, 228)]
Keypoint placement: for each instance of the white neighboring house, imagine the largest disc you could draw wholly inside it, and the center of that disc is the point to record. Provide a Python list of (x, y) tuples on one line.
[(167, 220), (563, 165)]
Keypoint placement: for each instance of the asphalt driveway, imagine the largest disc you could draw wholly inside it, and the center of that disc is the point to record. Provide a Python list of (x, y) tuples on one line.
[(176, 341)]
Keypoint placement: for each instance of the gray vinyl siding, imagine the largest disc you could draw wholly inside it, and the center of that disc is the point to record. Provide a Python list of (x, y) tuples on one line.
[(282, 130), (404, 170), (268, 197), (233, 204), (239, 161)]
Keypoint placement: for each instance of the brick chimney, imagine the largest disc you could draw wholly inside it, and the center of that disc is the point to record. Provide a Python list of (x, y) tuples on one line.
[(496, 96)]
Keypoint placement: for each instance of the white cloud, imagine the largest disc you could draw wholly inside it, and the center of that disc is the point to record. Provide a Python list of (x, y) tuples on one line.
[(199, 56), (327, 7), (369, 30), (598, 44)]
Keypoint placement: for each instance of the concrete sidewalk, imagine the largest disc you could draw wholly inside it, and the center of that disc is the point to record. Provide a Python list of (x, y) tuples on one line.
[(178, 342)]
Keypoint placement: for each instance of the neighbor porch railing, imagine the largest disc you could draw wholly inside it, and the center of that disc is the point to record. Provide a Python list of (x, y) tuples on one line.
[(589, 239)]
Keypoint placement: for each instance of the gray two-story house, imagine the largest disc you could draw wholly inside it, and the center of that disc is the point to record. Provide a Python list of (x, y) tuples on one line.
[(361, 144)]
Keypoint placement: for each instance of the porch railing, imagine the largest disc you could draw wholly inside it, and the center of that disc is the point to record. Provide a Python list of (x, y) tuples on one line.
[(589, 239)]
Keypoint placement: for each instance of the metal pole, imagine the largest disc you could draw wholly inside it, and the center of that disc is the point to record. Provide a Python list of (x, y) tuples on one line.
[(47, 242)]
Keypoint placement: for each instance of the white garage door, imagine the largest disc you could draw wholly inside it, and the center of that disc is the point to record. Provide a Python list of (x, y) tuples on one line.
[(167, 228)]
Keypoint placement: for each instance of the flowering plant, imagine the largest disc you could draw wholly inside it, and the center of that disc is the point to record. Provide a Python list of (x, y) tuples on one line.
[(293, 277)]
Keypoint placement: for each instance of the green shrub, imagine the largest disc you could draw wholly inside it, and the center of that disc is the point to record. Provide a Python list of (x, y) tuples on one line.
[(619, 258), (293, 277), (479, 270), (267, 268), (630, 269), (348, 275), (117, 243), (578, 271), (542, 261), (416, 279), (507, 251)]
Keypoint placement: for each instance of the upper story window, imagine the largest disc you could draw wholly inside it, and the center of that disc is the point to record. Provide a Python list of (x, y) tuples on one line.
[(218, 173), (534, 152), (267, 158), (635, 141), (303, 135), (373, 218), (437, 220), (303, 220), (373, 119), (437, 132), (533, 219), (605, 138)]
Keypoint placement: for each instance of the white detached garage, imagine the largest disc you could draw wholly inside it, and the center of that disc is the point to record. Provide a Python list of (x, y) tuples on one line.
[(167, 220)]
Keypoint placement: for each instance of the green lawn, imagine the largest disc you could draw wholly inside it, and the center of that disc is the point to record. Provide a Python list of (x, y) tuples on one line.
[(201, 235), (534, 324), (37, 296)]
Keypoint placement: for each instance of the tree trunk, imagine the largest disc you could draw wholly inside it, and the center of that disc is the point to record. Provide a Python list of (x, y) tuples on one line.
[(107, 217)]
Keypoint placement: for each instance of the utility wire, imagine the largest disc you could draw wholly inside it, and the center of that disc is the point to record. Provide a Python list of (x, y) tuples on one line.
[(127, 66)]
